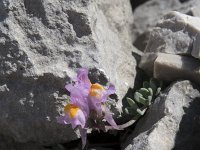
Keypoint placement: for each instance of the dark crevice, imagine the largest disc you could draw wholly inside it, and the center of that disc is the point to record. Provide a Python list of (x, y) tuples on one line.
[(141, 41), (97, 140), (136, 3), (3, 11), (98, 76), (80, 23), (183, 1), (35, 8), (188, 135), (190, 13)]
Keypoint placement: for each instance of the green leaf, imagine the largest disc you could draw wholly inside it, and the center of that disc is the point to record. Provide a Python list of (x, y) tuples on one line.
[(144, 92), (130, 111), (150, 91), (126, 111), (137, 96), (132, 103), (158, 91), (140, 112), (153, 85), (143, 101), (140, 99), (149, 100)]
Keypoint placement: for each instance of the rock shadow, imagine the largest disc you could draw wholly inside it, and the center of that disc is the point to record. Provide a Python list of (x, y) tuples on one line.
[(190, 69), (3, 11), (188, 135), (136, 3)]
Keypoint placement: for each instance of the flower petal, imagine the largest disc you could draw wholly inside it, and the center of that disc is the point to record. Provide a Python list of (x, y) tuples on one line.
[(69, 87), (109, 118), (73, 115), (79, 99), (95, 105), (111, 89), (78, 120), (82, 79), (83, 133)]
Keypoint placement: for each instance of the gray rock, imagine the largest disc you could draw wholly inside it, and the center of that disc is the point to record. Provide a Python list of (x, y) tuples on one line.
[(147, 62), (170, 67), (42, 44), (9, 144), (176, 33), (147, 15), (171, 122)]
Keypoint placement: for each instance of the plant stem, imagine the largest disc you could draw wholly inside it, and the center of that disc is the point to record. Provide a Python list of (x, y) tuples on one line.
[(123, 126)]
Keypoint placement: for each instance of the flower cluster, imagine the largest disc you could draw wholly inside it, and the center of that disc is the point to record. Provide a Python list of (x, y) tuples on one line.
[(87, 105)]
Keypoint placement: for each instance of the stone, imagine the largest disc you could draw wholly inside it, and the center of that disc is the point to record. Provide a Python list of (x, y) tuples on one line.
[(42, 45), (136, 3), (147, 15), (173, 49), (147, 62), (172, 122), (170, 67), (176, 33)]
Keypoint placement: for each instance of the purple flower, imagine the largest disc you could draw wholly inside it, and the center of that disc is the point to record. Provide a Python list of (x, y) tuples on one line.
[(97, 96), (74, 116), (79, 90), (86, 98)]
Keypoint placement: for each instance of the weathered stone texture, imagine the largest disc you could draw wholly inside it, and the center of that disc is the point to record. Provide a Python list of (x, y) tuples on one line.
[(147, 15), (170, 67), (173, 49), (42, 44), (176, 33)]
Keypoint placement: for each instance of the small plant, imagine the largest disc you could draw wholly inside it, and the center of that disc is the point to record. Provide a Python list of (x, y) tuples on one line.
[(86, 108), (143, 97)]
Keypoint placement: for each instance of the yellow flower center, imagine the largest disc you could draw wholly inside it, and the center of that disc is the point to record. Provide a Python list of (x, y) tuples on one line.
[(96, 90), (72, 110)]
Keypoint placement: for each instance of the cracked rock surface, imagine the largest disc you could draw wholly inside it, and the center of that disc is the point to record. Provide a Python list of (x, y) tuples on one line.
[(42, 43)]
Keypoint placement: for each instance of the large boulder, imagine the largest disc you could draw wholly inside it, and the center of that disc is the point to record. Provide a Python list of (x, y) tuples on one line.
[(171, 122), (147, 15), (173, 47), (176, 33), (42, 44)]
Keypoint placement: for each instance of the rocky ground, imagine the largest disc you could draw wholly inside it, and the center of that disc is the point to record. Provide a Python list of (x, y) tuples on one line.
[(43, 43)]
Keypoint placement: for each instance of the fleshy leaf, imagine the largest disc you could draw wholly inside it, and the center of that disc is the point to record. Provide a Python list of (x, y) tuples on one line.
[(137, 96), (140, 112), (132, 103), (140, 99), (153, 85), (149, 100), (151, 91), (158, 91), (144, 92)]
